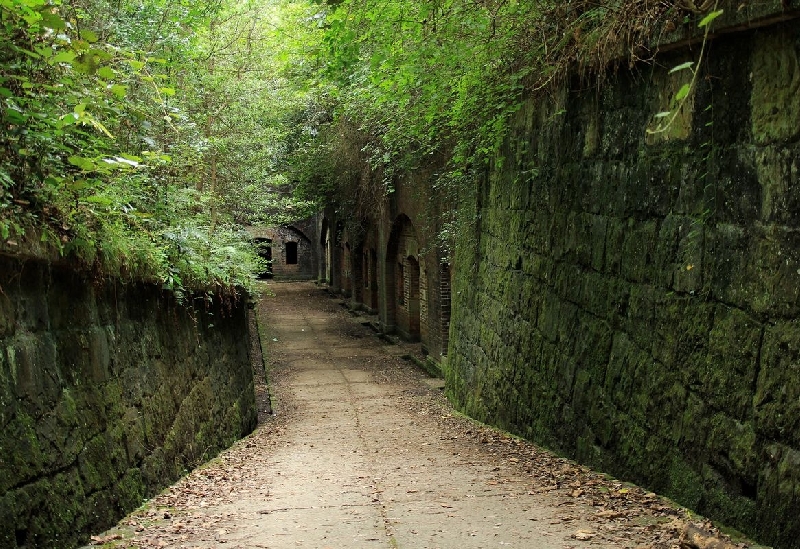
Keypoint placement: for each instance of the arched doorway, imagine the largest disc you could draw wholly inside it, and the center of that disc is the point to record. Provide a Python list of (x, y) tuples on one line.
[(373, 278), (346, 274), (292, 254), (403, 281), (325, 244), (412, 297)]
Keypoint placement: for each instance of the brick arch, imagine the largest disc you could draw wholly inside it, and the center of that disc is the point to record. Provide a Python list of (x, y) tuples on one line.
[(403, 278), (346, 275), (293, 254), (337, 255), (445, 299), (412, 296), (325, 247), (370, 278)]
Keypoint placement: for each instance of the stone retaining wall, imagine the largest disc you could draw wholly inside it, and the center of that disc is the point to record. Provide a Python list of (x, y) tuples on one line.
[(108, 392), (633, 299)]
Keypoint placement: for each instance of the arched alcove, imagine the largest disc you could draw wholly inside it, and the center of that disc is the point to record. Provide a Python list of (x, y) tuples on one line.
[(403, 280), (325, 245), (292, 254)]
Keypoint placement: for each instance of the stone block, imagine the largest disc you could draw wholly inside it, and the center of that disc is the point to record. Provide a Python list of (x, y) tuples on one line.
[(21, 454), (732, 450), (70, 301), (684, 482), (726, 498), (99, 355), (57, 516), (775, 74), (638, 257), (157, 413), (134, 434), (65, 429), (31, 300), (8, 316), (733, 350), (727, 263), (777, 391), (130, 490), (684, 323), (777, 169), (778, 488), (32, 362), (102, 510), (94, 464), (734, 192)]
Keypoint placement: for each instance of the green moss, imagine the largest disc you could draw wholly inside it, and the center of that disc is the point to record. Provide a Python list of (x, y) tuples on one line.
[(776, 88), (130, 491), (726, 507), (685, 484), (57, 513), (21, 453), (94, 464), (641, 314), (85, 416)]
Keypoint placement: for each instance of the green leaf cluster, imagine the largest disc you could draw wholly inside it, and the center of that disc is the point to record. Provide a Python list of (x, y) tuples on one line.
[(139, 136), (416, 83)]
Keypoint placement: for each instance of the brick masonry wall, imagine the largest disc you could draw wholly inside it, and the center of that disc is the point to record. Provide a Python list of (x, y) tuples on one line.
[(445, 299), (108, 392), (305, 266), (403, 268), (632, 300)]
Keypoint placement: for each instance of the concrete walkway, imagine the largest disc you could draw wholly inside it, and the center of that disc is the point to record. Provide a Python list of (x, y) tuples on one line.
[(364, 452), (360, 466)]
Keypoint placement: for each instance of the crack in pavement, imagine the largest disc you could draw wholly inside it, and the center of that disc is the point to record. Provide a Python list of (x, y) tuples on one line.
[(375, 479)]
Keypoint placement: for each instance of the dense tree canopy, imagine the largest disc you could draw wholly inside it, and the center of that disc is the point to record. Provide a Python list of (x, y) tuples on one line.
[(142, 135), (435, 82)]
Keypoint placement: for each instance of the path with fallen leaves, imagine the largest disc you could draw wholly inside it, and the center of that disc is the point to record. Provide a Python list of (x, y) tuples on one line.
[(364, 451)]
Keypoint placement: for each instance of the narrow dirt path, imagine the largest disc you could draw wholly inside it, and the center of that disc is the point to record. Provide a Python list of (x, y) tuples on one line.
[(365, 452)]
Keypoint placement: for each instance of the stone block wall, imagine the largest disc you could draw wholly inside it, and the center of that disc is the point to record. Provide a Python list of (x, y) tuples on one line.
[(633, 299), (108, 392)]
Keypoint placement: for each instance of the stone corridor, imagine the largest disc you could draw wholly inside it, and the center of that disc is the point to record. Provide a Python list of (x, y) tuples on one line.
[(364, 451)]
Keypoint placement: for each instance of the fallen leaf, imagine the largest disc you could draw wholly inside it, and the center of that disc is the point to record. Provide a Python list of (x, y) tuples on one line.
[(100, 540), (584, 535), (609, 514)]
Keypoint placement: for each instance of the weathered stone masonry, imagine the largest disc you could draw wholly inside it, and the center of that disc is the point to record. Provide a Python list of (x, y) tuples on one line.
[(391, 266), (108, 392), (628, 299), (636, 302)]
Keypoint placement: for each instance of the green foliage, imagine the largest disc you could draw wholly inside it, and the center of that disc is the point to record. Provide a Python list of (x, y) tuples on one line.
[(665, 119), (139, 136), (436, 82)]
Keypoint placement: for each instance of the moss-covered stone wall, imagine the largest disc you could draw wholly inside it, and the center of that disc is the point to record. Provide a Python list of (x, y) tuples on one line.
[(633, 300), (108, 392)]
